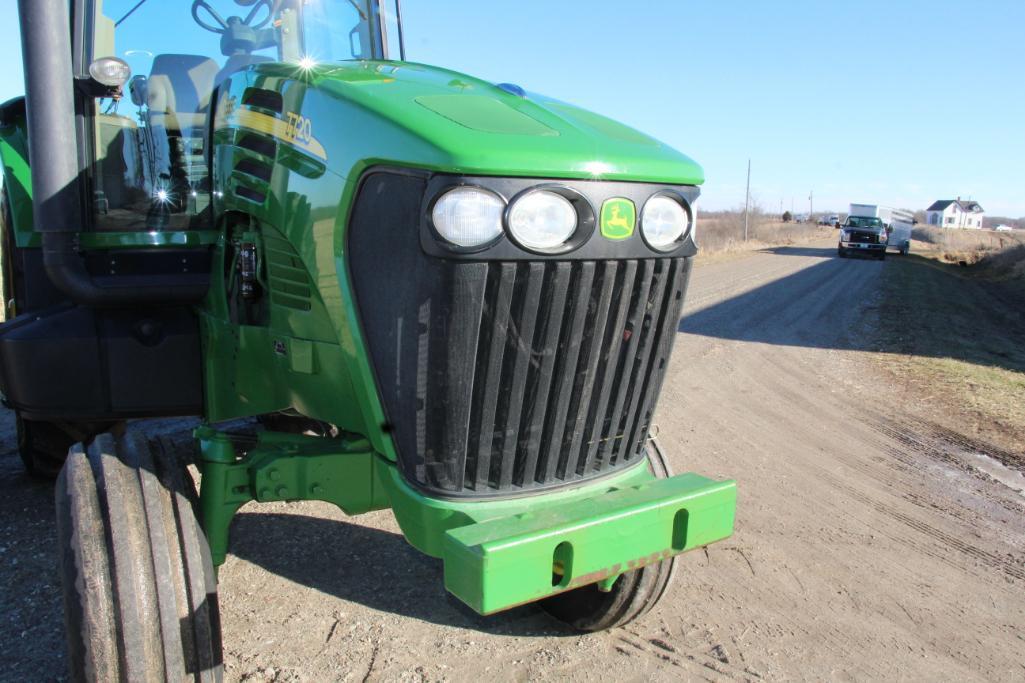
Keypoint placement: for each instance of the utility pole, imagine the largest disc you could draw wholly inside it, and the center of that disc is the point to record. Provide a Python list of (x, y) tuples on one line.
[(811, 203), (747, 199)]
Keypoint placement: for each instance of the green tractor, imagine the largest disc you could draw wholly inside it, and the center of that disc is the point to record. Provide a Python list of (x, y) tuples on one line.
[(379, 284)]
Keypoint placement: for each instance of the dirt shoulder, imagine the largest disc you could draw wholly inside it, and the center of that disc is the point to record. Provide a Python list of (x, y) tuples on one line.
[(951, 341)]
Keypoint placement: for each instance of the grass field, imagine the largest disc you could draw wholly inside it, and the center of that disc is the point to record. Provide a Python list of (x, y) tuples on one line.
[(724, 233), (953, 322)]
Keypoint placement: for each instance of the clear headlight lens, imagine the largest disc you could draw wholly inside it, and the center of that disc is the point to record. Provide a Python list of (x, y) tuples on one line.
[(844, 236), (542, 220), (663, 222), (468, 216), (110, 71)]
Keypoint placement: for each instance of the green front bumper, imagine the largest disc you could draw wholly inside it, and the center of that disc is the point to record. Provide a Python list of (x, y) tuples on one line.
[(547, 544), (497, 553)]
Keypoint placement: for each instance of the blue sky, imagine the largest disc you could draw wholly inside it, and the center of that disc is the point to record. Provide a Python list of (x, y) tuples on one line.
[(898, 102)]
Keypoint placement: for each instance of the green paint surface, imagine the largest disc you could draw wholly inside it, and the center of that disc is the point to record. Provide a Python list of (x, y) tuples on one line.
[(504, 562), (484, 113), (414, 115)]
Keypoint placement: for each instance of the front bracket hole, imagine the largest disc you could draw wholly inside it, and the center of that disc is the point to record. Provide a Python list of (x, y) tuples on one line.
[(562, 564)]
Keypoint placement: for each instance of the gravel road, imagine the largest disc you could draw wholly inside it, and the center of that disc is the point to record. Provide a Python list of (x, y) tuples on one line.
[(870, 544)]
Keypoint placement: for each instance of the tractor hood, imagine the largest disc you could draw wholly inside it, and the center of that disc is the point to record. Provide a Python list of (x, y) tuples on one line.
[(449, 121)]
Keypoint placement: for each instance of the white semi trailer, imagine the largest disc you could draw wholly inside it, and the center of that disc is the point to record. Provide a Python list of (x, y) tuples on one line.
[(898, 224)]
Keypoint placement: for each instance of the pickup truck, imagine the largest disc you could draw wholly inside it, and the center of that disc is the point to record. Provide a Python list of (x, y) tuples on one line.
[(865, 234), (898, 224)]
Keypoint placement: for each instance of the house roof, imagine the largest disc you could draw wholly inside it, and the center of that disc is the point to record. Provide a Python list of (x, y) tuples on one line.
[(967, 206)]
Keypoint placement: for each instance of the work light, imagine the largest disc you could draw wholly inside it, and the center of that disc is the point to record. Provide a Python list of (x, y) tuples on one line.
[(664, 222), (468, 216), (542, 220), (110, 71)]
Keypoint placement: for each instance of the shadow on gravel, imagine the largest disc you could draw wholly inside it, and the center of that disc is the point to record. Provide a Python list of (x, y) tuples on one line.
[(370, 567), (819, 252), (906, 305)]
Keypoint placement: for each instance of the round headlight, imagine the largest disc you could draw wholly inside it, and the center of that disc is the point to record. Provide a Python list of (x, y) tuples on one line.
[(542, 220), (663, 222), (468, 216), (110, 71)]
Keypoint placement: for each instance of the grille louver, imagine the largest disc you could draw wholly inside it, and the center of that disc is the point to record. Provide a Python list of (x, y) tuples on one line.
[(287, 278)]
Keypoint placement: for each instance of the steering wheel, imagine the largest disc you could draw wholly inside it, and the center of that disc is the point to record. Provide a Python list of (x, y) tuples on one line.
[(220, 25)]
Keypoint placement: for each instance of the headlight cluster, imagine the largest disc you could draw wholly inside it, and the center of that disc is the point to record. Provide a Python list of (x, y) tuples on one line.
[(468, 216), (664, 222), (550, 219), (542, 220)]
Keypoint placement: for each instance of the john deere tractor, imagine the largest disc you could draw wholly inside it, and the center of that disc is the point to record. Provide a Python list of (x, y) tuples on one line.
[(377, 283)]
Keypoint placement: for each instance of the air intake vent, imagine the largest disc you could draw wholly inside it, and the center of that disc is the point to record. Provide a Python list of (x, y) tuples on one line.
[(286, 275), (254, 168), (258, 143), (250, 194), (264, 99)]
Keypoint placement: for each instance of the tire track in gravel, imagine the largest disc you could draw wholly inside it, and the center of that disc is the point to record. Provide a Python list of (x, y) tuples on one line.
[(1012, 567)]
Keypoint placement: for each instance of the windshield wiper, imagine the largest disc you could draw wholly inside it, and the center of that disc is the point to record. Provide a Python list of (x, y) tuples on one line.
[(129, 13)]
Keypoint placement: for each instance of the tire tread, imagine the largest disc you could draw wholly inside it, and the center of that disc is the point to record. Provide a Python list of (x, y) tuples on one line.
[(146, 608)]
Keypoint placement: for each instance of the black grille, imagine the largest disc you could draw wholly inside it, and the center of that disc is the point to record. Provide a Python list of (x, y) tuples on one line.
[(570, 356), (506, 376), (864, 237)]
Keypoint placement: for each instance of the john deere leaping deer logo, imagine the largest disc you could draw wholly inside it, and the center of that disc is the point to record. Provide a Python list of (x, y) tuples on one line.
[(618, 217)]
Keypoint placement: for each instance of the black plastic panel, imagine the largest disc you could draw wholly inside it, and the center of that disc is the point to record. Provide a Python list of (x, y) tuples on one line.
[(508, 376), (80, 363)]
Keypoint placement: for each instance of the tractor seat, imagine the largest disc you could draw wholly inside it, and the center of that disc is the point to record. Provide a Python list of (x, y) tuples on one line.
[(178, 96), (179, 90)]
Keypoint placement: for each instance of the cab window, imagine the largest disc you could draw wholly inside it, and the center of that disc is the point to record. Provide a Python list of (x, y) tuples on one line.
[(150, 149)]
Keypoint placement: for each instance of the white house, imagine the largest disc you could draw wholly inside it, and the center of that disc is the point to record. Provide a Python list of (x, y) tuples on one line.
[(955, 213)]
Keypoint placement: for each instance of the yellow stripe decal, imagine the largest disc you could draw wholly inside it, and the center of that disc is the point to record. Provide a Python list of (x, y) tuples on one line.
[(293, 131)]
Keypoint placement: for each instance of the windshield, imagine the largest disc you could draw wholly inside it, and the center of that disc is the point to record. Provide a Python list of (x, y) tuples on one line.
[(863, 222), (151, 162)]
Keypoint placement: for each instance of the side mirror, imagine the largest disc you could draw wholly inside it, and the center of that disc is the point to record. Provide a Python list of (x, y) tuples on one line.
[(838, 224), (139, 89)]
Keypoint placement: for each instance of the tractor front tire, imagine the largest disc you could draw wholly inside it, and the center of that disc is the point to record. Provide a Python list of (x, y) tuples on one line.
[(140, 597), (633, 594)]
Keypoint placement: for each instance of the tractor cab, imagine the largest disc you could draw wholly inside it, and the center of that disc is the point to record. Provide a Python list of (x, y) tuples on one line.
[(150, 145)]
